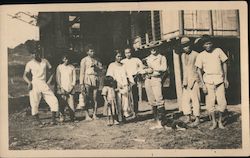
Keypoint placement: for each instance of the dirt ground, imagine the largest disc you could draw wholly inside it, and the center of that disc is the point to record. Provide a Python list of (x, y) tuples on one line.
[(132, 135)]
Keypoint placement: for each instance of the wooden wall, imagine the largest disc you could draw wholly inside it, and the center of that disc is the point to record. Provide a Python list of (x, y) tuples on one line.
[(198, 22)]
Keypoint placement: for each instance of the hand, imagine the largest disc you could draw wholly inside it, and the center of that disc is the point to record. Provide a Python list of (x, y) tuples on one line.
[(226, 83), (82, 88), (30, 86), (184, 85), (204, 89), (149, 70)]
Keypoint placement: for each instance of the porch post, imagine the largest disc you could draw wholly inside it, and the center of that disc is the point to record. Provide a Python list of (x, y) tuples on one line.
[(177, 73)]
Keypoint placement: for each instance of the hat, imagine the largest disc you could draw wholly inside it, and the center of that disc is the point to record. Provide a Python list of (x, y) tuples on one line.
[(206, 38), (185, 40)]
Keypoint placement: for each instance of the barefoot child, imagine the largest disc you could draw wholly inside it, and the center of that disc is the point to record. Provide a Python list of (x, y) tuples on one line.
[(38, 86), (108, 93), (66, 80), (214, 81)]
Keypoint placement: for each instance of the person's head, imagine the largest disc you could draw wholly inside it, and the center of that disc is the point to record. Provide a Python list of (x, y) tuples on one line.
[(108, 81), (90, 50), (186, 44), (65, 59), (128, 53), (207, 43), (118, 56), (37, 55)]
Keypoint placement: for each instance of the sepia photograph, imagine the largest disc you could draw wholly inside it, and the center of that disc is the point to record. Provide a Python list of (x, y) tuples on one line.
[(135, 79)]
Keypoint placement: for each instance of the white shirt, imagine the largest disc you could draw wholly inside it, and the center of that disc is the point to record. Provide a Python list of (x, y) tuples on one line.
[(37, 69), (66, 76), (132, 67), (158, 63), (109, 92), (118, 72), (211, 63)]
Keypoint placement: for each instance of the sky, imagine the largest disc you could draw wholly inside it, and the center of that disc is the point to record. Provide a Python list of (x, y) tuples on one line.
[(17, 32)]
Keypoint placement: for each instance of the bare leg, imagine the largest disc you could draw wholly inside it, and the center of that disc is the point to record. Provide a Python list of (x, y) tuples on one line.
[(214, 121), (196, 122), (53, 121), (158, 114), (87, 117), (221, 126), (95, 104)]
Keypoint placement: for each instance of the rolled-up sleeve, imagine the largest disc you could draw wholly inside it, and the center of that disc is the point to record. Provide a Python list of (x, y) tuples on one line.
[(222, 55)]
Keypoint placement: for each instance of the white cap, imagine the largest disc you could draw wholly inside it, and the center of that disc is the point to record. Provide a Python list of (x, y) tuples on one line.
[(185, 40)]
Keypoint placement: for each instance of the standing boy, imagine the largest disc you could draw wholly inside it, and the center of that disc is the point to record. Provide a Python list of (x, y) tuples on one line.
[(132, 66), (191, 90), (214, 81), (39, 87), (66, 80), (90, 68), (156, 65)]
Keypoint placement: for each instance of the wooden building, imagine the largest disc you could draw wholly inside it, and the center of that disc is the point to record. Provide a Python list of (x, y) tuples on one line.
[(109, 31)]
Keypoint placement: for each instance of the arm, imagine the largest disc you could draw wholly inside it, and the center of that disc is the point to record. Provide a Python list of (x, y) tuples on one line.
[(224, 58), (58, 77), (184, 82), (50, 71), (82, 73), (225, 75), (26, 79), (51, 76), (204, 88), (74, 77)]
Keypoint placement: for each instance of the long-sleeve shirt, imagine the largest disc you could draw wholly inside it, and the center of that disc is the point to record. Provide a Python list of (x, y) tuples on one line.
[(158, 63), (190, 74)]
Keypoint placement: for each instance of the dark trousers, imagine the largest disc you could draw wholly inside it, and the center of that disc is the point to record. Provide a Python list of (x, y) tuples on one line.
[(135, 97)]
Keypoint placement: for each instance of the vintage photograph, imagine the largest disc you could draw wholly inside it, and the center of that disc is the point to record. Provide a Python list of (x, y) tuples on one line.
[(125, 79)]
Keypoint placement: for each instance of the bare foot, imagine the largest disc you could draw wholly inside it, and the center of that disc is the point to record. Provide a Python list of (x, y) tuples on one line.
[(53, 123), (221, 126), (95, 117), (116, 122), (213, 126), (88, 118), (156, 127), (195, 123)]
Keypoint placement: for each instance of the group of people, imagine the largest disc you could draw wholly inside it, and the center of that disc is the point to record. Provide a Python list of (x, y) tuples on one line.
[(120, 89)]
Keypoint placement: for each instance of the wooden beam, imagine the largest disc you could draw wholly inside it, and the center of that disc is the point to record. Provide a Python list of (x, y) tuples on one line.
[(181, 22), (177, 73), (210, 22)]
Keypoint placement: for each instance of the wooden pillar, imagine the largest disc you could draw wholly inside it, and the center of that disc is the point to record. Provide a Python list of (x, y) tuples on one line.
[(211, 27), (177, 73), (153, 25), (177, 63), (181, 22)]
